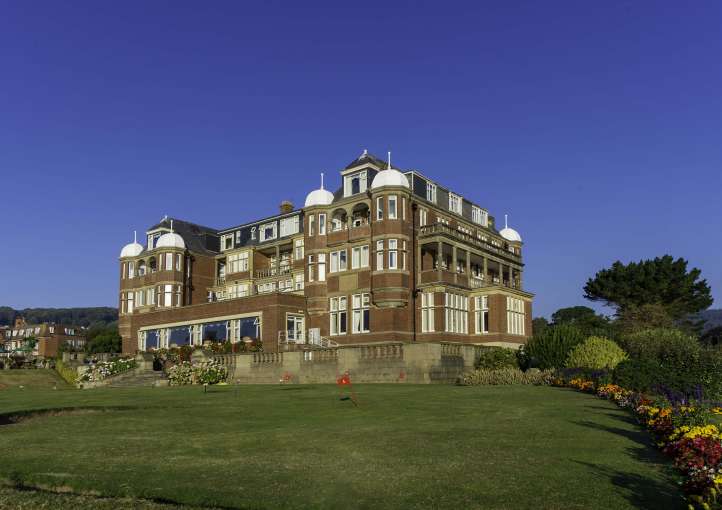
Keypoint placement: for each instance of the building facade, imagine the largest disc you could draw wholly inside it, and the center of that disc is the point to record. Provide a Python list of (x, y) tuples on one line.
[(390, 256), (43, 340)]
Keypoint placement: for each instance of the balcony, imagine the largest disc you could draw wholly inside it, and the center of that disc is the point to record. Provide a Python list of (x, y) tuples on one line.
[(273, 272), (447, 277), (439, 229)]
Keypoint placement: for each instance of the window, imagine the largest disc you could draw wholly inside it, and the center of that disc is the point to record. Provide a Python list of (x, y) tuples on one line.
[(267, 231), (298, 249), (359, 257), (515, 316), (238, 262), (253, 233), (289, 226), (237, 290), (455, 308), (130, 302), (360, 316), (169, 262), (139, 298), (168, 295), (177, 262), (393, 254), (380, 208), (393, 213), (338, 261), (427, 312), (322, 224), (338, 315), (379, 255), (266, 287), (150, 296), (431, 192), (131, 269), (454, 203), (311, 225), (481, 314), (479, 216), (423, 213), (311, 263), (403, 208), (227, 242), (298, 282), (321, 267), (294, 327), (354, 184)]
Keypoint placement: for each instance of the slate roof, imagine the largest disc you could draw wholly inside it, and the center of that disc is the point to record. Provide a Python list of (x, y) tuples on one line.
[(198, 238)]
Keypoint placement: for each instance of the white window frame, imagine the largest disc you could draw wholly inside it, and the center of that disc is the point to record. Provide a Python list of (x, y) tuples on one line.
[(224, 241), (321, 267), (338, 262), (427, 312), (379, 208), (322, 224), (289, 226), (237, 262), (393, 253), (263, 236), (361, 313), (515, 316), (338, 311), (456, 312), (481, 315), (455, 203), (379, 255), (298, 249), (431, 192), (359, 256), (423, 217), (169, 262), (312, 225), (393, 213)]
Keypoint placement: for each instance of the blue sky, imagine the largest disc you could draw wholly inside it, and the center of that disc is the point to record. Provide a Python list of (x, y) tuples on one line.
[(596, 127)]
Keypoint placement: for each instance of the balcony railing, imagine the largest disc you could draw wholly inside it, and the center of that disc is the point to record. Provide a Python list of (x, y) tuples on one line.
[(445, 230), (461, 279), (272, 271)]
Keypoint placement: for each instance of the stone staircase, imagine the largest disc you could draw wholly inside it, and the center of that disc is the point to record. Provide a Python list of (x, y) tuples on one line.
[(137, 377)]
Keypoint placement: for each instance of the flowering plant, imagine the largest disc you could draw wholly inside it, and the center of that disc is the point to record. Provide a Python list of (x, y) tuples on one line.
[(104, 369), (184, 373)]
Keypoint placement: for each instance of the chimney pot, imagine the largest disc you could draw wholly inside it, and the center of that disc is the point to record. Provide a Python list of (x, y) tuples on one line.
[(286, 207)]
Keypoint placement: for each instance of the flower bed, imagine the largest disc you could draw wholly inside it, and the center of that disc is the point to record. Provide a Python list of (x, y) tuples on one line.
[(105, 369), (209, 372), (686, 431)]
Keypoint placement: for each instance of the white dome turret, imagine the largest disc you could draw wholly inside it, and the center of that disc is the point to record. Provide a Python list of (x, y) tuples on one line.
[(133, 249), (319, 196), (509, 234), (171, 240), (389, 177)]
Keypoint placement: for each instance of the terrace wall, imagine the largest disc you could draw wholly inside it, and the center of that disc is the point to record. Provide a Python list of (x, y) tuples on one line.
[(419, 363)]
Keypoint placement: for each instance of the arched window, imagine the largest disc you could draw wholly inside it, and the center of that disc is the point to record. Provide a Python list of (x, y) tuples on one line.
[(141, 267)]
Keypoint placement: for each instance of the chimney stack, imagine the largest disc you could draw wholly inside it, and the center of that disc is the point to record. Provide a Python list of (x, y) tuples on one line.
[(286, 207)]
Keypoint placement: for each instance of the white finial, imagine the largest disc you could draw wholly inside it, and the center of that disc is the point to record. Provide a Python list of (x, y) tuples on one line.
[(366, 152), (389, 160), (171, 226), (135, 236), (321, 180), (506, 221)]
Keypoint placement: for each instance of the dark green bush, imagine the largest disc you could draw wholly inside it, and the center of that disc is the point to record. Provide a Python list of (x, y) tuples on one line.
[(661, 344), (494, 358), (551, 348), (639, 374)]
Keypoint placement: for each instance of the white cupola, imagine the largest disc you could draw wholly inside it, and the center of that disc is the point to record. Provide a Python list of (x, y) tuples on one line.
[(319, 196), (133, 249), (389, 177), (509, 234), (171, 240)]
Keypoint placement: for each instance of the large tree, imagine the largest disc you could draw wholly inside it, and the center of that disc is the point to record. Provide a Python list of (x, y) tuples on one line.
[(662, 281), (582, 317)]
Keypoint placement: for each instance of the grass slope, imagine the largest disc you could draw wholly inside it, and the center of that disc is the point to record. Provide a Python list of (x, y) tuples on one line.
[(300, 447), (34, 379)]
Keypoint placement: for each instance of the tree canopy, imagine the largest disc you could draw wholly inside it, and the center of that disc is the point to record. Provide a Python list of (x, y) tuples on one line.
[(582, 317), (661, 281)]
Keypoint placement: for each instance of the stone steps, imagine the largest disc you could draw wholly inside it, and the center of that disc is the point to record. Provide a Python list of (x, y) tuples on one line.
[(135, 378)]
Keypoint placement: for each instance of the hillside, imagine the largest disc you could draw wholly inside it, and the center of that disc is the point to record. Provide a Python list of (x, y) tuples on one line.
[(102, 315), (713, 318)]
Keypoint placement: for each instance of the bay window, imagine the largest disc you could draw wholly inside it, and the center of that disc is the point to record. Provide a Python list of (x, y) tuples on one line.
[(338, 315), (481, 314), (361, 311), (427, 312)]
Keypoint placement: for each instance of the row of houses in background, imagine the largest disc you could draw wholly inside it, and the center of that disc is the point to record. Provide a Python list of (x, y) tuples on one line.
[(41, 340), (390, 256)]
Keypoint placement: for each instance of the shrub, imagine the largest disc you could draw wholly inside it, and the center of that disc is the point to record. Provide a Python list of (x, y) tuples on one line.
[(506, 376), (639, 374), (551, 349), (596, 353), (181, 374), (104, 369), (660, 344), (496, 357), (70, 375), (210, 373)]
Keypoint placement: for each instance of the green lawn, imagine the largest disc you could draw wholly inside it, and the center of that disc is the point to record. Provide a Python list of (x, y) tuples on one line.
[(273, 447), (31, 378)]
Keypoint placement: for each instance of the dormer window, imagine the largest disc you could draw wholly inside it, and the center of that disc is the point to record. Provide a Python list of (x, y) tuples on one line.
[(268, 231), (431, 192), (479, 216), (227, 242), (454, 203), (355, 183)]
